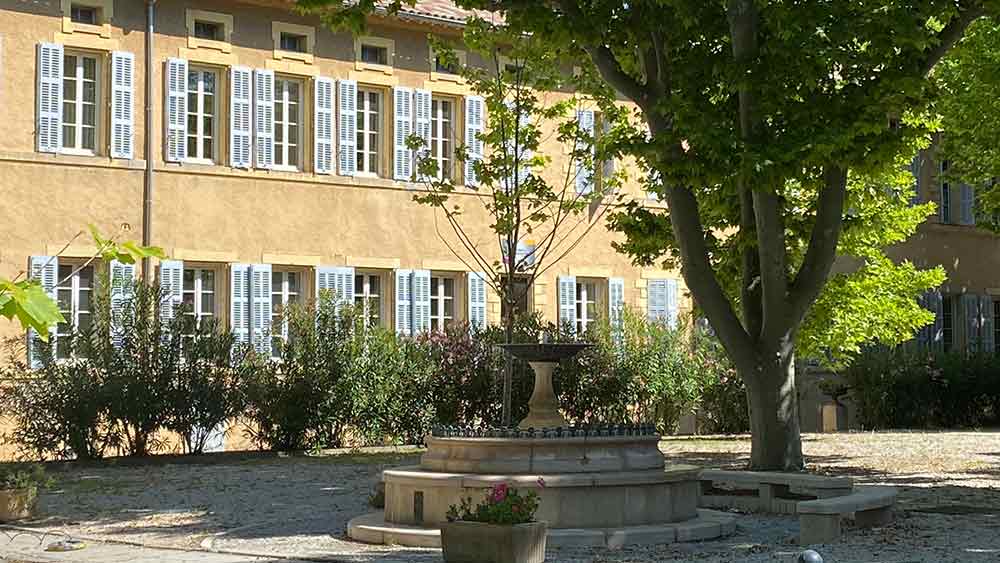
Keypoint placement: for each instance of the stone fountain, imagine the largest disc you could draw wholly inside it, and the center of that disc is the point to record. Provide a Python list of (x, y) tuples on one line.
[(603, 485)]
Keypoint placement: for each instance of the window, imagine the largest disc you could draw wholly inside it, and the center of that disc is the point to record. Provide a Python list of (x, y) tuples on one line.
[(442, 118), (586, 305), (442, 303), (287, 121), (208, 30), (73, 295), (442, 67), (286, 289), (522, 294), (202, 108), (80, 94), (368, 127), (945, 209), (198, 296), (374, 54), (947, 321), (368, 297), (83, 14), (293, 42)]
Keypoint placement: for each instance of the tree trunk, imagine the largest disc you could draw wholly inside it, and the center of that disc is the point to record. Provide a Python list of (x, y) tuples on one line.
[(508, 366), (774, 413)]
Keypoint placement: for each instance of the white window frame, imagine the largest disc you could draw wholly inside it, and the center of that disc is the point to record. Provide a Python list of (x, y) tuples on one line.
[(79, 103), (438, 300), (199, 292), (281, 148), (442, 149), (364, 147), (364, 292), (72, 283), (279, 325), (199, 111), (588, 291)]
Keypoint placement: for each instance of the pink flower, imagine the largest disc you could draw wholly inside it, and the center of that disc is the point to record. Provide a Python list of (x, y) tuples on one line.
[(499, 493), (541, 482)]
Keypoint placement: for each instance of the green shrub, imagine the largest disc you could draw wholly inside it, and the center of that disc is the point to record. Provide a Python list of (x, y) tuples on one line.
[(23, 476)]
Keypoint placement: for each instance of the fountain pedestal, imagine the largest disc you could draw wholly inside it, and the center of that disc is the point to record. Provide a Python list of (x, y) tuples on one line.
[(543, 407)]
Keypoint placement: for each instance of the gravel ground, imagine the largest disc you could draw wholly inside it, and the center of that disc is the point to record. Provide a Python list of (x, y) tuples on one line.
[(949, 506)]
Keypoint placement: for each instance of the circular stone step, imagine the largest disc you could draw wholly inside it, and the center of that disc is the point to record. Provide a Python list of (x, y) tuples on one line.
[(372, 528)]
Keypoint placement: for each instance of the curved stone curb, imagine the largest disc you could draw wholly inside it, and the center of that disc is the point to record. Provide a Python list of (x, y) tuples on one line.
[(710, 524)]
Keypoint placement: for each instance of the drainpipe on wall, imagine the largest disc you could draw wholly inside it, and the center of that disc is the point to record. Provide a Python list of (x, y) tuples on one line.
[(147, 187)]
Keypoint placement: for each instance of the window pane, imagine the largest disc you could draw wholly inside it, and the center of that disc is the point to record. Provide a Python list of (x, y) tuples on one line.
[(192, 146), (83, 322), (207, 303), (188, 301), (69, 136), (69, 90), (449, 307), (89, 68), (374, 284), (69, 65), (276, 281), (89, 142), (209, 151), (293, 282), (188, 279), (293, 157), (87, 277), (449, 287), (89, 115), (208, 280), (209, 82), (65, 299), (193, 82)]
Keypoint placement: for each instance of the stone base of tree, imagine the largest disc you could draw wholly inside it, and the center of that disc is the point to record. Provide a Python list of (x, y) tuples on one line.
[(17, 504), (476, 542)]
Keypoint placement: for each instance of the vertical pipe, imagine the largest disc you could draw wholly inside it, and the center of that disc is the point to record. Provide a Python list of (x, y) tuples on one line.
[(147, 187)]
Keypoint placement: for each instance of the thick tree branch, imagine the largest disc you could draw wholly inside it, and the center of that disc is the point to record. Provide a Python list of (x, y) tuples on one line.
[(951, 33), (822, 249), (750, 296)]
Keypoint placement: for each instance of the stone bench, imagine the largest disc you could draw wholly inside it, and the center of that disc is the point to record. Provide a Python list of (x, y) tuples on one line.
[(819, 520), (765, 491)]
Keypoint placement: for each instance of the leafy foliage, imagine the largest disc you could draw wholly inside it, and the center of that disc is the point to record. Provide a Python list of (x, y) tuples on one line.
[(503, 505), (23, 476)]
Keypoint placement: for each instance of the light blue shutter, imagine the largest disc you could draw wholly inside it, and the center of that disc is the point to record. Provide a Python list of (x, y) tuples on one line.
[(240, 117), (656, 300), (584, 170), (323, 125), (968, 214), (339, 281), (263, 112), (567, 302), (422, 121), (477, 300), (261, 294), (421, 301), (122, 290), (171, 288), (474, 116), (50, 97), (402, 108), (970, 310), (986, 316), (176, 108), (45, 269), (347, 153), (673, 307), (404, 302), (616, 304), (239, 302), (122, 103)]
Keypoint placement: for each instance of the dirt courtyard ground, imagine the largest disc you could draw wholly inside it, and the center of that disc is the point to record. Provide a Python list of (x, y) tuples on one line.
[(298, 506)]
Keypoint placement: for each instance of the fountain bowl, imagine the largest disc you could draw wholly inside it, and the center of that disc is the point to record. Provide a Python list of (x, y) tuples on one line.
[(545, 352)]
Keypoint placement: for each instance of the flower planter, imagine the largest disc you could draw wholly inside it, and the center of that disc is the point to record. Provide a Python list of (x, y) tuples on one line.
[(17, 504), (475, 542)]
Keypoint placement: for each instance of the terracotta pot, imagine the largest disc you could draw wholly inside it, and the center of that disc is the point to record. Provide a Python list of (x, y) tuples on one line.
[(475, 542), (17, 504)]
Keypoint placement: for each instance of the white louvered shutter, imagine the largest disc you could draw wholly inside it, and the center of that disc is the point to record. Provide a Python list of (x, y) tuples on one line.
[(122, 104), (986, 328), (50, 97), (656, 300), (175, 132), (347, 126), (567, 302), (474, 117), (404, 302), (936, 303), (422, 121), (171, 288), (970, 310), (239, 302), (45, 269), (584, 171), (323, 126), (260, 291), (477, 300), (240, 122), (122, 289), (339, 282), (402, 109), (673, 307), (421, 301), (263, 117), (968, 213), (616, 304)]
